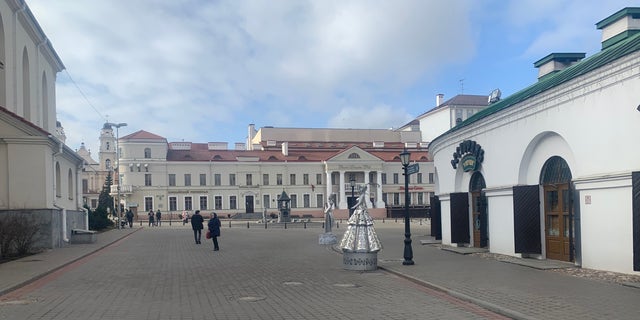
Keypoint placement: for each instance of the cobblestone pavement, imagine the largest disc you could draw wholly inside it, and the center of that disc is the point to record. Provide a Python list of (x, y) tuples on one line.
[(159, 273)]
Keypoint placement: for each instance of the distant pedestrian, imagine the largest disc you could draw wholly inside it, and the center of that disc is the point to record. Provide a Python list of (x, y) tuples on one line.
[(151, 215), (185, 217), (158, 218), (197, 226), (214, 229), (129, 216)]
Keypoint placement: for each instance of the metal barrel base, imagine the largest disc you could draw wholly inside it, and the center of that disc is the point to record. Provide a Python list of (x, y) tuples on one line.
[(360, 261)]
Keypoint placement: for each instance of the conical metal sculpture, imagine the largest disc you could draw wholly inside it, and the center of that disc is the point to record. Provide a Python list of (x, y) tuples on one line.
[(360, 243)]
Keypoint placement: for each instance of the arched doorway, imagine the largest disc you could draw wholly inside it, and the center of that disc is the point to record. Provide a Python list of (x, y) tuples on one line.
[(555, 179), (478, 210)]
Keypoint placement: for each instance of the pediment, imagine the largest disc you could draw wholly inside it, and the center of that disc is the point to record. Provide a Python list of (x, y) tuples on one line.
[(354, 154)]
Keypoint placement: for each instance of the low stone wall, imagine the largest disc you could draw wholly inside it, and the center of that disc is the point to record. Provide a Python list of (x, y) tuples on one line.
[(49, 223)]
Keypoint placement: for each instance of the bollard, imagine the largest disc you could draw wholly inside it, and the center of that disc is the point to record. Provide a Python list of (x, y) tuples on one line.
[(420, 221), (382, 220), (285, 225), (337, 225), (141, 223), (323, 225), (265, 224), (229, 223), (396, 220), (247, 224), (305, 225)]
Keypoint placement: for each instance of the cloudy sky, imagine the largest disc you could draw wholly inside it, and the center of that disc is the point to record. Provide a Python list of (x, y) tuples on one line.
[(202, 70)]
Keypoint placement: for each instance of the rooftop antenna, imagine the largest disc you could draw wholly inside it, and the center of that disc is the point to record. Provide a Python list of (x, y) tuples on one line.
[(461, 86)]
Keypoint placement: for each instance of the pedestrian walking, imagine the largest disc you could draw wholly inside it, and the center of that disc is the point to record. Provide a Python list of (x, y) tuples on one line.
[(158, 218), (197, 226), (151, 215), (129, 216), (214, 230), (185, 217)]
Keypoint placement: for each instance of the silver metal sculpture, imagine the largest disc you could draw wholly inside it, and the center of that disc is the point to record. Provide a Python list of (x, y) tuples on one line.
[(360, 243), (327, 237)]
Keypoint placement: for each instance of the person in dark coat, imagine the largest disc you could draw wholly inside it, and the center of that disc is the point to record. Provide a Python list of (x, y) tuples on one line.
[(214, 229), (197, 226), (158, 218), (151, 215), (129, 216)]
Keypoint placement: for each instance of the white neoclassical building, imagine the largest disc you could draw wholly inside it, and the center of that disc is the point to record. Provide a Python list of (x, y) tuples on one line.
[(308, 164), (39, 175), (553, 171)]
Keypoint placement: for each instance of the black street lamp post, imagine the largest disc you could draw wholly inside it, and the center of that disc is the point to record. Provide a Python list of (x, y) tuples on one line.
[(118, 211), (352, 182), (408, 252)]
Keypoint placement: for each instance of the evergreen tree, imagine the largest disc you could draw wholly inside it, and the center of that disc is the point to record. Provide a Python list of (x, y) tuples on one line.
[(98, 219)]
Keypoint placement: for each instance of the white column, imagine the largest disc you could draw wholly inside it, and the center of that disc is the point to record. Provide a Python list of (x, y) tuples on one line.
[(379, 202), (366, 183), (343, 198)]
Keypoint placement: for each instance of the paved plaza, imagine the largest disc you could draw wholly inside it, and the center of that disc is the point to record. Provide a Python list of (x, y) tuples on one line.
[(277, 273)]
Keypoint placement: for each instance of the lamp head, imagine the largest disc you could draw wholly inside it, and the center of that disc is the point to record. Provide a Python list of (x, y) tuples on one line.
[(404, 157)]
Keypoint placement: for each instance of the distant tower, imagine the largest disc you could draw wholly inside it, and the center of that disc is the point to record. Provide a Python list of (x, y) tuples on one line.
[(107, 155)]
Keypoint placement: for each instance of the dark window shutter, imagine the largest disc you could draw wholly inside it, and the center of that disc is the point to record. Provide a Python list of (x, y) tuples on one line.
[(436, 219), (460, 218), (635, 178), (526, 219)]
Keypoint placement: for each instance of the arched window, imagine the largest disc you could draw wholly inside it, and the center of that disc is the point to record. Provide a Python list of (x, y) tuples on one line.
[(26, 86), (354, 156), (58, 181), (70, 184), (108, 146), (477, 182), (147, 153), (107, 163), (555, 171)]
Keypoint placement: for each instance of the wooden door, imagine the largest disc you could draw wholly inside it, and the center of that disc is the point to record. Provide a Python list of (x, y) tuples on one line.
[(557, 222)]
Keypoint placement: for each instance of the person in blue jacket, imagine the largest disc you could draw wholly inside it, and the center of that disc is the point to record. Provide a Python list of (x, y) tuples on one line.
[(214, 229)]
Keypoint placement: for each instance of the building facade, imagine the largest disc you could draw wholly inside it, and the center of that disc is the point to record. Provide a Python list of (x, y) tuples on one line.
[(39, 176), (552, 171), (308, 164)]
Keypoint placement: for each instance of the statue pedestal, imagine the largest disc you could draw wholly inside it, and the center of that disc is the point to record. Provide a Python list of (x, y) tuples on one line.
[(360, 261), (328, 238)]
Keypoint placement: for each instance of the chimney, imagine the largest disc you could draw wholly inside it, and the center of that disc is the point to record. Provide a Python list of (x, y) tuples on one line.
[(250, 135), (439, 98), (285, 148), (619, 26), (556, 62)]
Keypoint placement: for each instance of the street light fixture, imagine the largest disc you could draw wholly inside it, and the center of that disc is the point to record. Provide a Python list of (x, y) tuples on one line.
[(408, 252), (352, 182), (119, 212)]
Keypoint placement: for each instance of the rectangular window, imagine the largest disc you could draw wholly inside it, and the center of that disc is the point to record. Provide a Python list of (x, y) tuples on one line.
[(306, 201), (395, 178), (292, 179), (203, 179), (187, 179), (188, 203), (420, 198), (203, 202), (148, 204), (85, 186), (294, 200), (419, 177), (384, 198), (232, 179), (319, 201), (218, 202), (147, 179), (266, 201), (396, 199), (383, 177), (431, 178), (249, 179), (305, 179), (265, 179), (94, 203), (172, 179), (217, 179), (173, 204), (279, 179), (319, 178), (233, 202)]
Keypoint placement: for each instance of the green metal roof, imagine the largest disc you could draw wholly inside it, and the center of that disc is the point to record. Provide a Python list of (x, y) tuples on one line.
[(600, 59)]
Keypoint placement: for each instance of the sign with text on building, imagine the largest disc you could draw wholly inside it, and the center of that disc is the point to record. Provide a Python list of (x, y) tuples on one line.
[(469, 154)]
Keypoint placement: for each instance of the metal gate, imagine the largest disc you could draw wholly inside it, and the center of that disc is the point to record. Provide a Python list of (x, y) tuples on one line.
[(526, 219), (460, 218), (436, 219)]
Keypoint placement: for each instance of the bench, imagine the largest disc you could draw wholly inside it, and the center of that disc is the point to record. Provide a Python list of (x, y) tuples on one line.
[(83, 236)]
